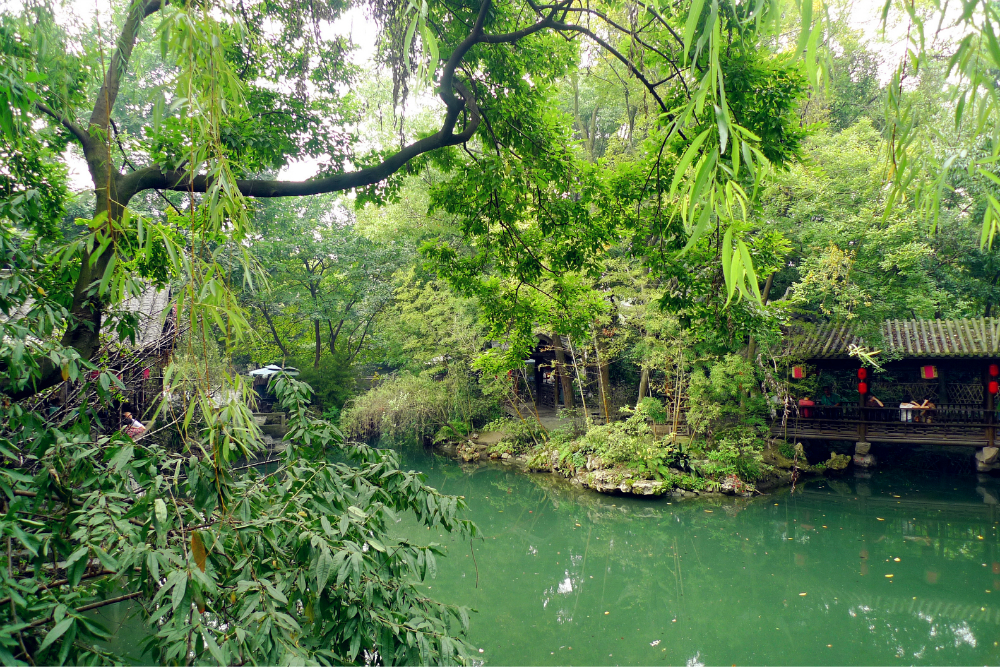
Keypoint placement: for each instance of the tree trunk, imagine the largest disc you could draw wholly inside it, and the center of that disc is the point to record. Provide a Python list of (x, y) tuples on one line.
[(603, 378), (564, 378), (605, 381), (319, 345), (579, 380), (274, 332), (764, 297), (643, 386), (334, 333)]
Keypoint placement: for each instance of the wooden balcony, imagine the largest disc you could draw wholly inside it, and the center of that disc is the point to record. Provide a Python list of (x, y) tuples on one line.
[(949, 425)]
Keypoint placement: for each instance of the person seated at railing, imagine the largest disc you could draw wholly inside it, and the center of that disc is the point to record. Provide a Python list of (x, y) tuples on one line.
[(830, 400), (874, 415), (806, 407), (926, 411), (906, 409)]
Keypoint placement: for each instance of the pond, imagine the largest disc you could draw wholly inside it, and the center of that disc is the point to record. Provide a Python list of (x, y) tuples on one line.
[(879, 568)]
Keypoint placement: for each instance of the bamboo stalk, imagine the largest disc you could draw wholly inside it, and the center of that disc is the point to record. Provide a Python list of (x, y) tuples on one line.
[(579, 382)]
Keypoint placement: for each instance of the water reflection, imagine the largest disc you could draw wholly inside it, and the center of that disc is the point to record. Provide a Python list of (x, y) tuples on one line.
[(855, 570)]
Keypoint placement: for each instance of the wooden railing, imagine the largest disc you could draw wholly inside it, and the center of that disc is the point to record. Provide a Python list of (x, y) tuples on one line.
[(955, 424)]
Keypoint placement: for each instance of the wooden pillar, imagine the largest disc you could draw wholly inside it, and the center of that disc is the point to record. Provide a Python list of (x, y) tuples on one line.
[(564, 378), (538, 383), (989, 407), (862, 425), (991, 429), (942, 384)]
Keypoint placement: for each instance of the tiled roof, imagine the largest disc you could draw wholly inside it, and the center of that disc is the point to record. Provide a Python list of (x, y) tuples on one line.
[(151, 306), (906, 338)]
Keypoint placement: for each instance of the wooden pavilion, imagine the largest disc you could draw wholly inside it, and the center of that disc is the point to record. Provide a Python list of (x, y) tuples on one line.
[(947, 361)]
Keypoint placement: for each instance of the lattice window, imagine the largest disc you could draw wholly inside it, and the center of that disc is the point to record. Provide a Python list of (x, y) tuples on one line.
[(895, 392), (965, 393)]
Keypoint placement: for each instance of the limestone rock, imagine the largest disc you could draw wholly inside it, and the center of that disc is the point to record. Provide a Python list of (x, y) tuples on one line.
[(838, 461), (469, 453), (989, 495), (772, 456), (862, 448), (987, 454), (615, 481), (800, 453), (864, 461), (733, 484)]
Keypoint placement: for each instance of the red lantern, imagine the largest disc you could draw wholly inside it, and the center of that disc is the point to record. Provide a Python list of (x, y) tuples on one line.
[(994, 370), (862, 387), (862, 373), (994, 387)]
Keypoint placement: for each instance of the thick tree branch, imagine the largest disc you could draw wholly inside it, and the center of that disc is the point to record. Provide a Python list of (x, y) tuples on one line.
[(569, 27), (153, 177), (362, 339), (274, 331), (81, 135), (108, 93)]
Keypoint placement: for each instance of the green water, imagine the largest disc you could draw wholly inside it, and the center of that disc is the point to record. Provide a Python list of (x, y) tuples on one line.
[(565, 576)]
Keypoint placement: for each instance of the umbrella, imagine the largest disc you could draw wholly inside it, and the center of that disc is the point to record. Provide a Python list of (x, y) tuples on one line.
[(271, 369)]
